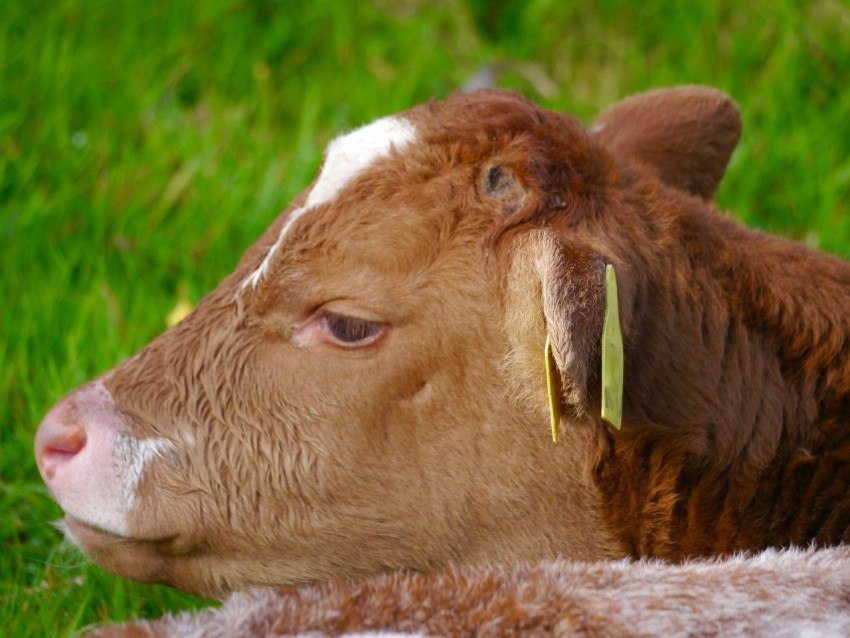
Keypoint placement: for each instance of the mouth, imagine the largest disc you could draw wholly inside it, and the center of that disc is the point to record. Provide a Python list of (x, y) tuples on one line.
[(88, 534), (85, 534), (135, 558), (88, 537)]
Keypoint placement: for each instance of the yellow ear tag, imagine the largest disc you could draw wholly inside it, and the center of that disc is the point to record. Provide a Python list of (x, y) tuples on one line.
[(552, 391), (612, 354)]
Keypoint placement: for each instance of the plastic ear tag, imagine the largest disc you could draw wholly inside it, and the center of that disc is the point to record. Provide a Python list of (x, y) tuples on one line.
[(552, 391), (612, 354)]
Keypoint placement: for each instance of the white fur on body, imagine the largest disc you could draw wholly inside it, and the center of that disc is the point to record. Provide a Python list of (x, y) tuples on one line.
[(773, 594)]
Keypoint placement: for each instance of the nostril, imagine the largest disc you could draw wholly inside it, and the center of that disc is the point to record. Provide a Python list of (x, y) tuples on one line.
[(56, 444)]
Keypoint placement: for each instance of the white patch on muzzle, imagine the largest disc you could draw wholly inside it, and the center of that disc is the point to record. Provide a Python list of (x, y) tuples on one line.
[(132, 457), (99, 485), (347, 156)]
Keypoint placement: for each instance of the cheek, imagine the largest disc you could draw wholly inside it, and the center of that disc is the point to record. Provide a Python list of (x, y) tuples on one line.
[(179, 487)]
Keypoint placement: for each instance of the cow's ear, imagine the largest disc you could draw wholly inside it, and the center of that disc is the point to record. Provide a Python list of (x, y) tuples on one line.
[(685, 134), (556, 289)]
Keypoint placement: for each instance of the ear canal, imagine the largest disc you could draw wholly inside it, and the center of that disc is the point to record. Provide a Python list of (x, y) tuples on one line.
[(573, 290), (561, 378), (612, 364)]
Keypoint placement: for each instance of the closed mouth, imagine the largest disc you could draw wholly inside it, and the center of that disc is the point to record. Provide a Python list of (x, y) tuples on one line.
[(85, 535), (90, 534)]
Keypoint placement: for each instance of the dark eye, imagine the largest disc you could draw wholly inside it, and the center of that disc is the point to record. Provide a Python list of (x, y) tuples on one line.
[(351, 330)]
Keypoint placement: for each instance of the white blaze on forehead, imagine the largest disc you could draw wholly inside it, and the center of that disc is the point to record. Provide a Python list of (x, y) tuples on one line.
[(346, 157), (350, 154)]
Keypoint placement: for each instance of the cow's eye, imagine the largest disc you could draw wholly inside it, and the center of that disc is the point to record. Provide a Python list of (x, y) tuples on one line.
[(351, 330)]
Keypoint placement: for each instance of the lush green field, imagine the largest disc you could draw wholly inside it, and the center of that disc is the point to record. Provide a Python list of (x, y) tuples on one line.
[(143, 146)]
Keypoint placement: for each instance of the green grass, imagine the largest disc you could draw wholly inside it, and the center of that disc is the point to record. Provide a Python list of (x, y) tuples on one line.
[(143, 146)]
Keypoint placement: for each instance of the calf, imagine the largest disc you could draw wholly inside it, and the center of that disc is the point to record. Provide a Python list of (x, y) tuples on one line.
[(367, 391)]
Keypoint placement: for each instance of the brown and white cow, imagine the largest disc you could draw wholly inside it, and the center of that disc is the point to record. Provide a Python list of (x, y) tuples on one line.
[(366, 391)]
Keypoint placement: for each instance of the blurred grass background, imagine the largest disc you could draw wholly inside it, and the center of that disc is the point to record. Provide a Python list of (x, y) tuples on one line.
[(144, 146)]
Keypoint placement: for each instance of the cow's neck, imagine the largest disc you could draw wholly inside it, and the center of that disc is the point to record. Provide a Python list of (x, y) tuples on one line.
[(738, 397)]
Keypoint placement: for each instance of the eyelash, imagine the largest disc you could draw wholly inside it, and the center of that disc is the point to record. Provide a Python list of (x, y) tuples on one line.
[(351, 330)]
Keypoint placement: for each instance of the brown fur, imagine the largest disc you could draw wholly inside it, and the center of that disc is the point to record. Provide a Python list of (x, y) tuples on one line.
[(771, 595), (685, 135), (430, 447)]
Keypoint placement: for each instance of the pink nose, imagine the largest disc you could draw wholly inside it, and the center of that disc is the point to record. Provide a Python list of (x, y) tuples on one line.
[(75, 449), (58, 440)]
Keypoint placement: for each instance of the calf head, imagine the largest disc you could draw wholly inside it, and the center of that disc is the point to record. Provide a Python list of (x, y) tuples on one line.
[(366, 391)]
